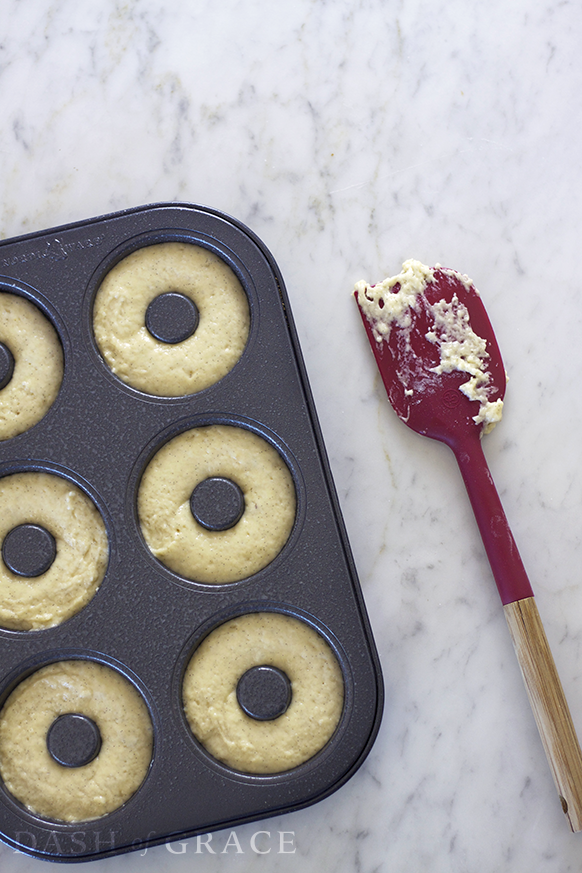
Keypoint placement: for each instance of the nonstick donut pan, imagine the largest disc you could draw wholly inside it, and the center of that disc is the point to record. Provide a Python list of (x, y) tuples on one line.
[(145, 616)]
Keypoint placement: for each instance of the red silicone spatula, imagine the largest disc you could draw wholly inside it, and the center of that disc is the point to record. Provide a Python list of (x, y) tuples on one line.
[(442, 370)]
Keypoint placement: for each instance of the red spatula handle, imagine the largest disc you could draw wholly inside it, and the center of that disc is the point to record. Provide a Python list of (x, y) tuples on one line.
[(545, 692), (506, 563)]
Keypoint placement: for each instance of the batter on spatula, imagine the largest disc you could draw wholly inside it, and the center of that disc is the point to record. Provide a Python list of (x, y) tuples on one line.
[(394, 302)]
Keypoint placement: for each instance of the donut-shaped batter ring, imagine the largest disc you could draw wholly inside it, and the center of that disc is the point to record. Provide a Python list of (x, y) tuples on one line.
[(73, 794), (38, 365), (165, 369), (220, 724), (185, 546), (67, 513)]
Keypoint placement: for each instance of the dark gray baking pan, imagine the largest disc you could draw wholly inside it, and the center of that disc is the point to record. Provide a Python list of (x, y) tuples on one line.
[(145, 621)]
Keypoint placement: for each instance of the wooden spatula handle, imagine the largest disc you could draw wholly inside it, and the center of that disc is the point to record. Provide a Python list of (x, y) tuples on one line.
[(549, 704)]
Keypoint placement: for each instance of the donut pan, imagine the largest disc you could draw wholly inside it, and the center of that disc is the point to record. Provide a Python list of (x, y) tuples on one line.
[(145, 620)]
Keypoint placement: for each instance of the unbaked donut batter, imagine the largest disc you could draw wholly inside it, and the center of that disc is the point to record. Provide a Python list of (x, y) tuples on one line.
[(224, 729), (38, 365), (82, 550), (81, 793), (167, 369), (179, 541)]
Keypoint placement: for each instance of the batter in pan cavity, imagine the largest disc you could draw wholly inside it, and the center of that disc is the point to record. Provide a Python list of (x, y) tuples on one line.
[(68, 517), (77, 790), (196, 458), (31, 365), (240, 646), (168, 363)]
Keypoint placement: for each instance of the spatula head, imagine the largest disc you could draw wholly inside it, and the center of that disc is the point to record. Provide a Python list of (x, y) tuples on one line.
[(436, 352)]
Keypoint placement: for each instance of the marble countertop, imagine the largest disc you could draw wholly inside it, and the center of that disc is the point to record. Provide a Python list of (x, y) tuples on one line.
[(350, 136)]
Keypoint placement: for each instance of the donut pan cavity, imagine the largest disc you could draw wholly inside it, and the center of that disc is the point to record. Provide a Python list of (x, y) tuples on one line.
[(145, 620)]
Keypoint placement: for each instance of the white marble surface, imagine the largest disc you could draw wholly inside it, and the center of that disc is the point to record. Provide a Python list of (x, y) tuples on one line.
[(350, 136)]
